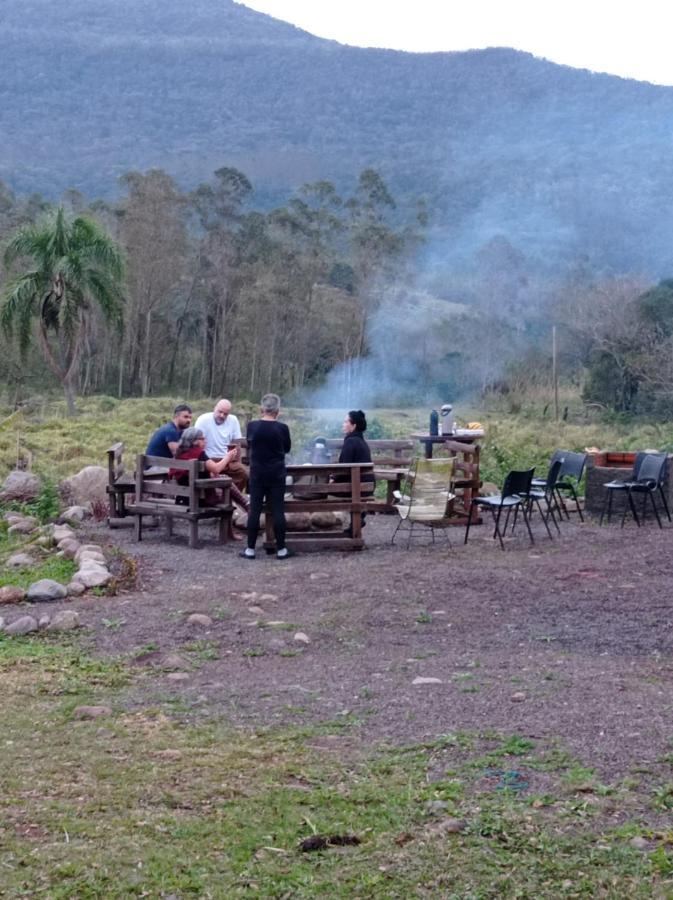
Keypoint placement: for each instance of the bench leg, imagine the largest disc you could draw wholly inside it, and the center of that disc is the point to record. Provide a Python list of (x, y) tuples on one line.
[(224, 525), (139, 528), (169, 526), (194, 534)]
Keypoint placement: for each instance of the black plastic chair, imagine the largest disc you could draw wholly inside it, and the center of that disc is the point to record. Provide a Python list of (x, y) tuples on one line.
[(548, 494), (570, 476), (613, 486), (514, 496), (651, 475)]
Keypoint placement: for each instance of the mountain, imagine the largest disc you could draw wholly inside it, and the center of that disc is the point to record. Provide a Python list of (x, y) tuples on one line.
[(562, 162)]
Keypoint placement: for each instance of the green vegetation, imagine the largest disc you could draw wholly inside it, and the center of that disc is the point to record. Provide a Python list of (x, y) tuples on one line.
[(140, 804)]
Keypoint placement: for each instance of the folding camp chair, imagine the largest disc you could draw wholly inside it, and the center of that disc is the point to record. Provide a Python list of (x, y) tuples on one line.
[(429, 493)]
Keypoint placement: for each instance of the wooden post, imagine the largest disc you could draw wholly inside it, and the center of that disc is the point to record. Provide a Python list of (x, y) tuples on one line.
[(554, 370)]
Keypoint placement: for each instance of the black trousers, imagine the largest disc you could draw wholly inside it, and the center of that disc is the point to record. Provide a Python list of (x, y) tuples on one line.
[(274, 492)]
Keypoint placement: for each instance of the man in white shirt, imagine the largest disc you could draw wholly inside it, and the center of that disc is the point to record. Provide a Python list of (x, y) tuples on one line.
[(222, 430)]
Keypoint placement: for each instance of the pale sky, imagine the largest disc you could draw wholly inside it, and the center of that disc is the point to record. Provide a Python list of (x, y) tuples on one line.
[(631, 38)]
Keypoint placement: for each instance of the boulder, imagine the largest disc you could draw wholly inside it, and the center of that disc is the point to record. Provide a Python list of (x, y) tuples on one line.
[(20, 561), (87, 548), (75, 588), (11, 594), (323, 521), (18, 485), (64, 620), (74, 514), (87, 487), (23, 526), (43, 622), (90, 557), (90, 712), (92, 577), (62, 532), (200, 619), (46, 590), (24, 625), (298, 521), (69, 547)]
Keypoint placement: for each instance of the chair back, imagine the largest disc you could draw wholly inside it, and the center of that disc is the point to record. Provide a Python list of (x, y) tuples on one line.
[(637, 463), (518, 483), (572, 465), (553, 475), (430, 489), (653, 468)]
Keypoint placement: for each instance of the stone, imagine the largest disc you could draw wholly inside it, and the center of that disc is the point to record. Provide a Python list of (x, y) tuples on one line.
[(169, 753), (2, 624), (75, 514), (200, 619), (75, 588), (91, 712), (518, 697), (323, 521), (420, 680), (24, 526), (46, 590), (65, 620), (270, 598), (302, 638), (177, 676), (298, 521), (69, 547), (433, 806), (18, 485), (24, 625), (11, 594), (61, 532), (86, 488), (255, 610), (92, 577), (639, 843), (174, 661), (453, 826), (43, 622), (87, 548), (92, 559)]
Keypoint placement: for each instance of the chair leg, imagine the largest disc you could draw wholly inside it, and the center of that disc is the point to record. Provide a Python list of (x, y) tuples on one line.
[(560, 504), (513, 521), (577, 502), (654, 507), (551, 503), (664, 501), (527, 521), (497, 528), (469, 522), (392, 539), (194, 534), (139, 528), (545, 521), (632, 506)]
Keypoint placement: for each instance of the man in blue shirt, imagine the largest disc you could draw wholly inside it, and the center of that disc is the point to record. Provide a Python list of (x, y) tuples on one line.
[(165, 439)]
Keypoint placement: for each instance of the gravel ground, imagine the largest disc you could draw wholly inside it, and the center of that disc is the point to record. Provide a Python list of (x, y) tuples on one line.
[(570, 639)]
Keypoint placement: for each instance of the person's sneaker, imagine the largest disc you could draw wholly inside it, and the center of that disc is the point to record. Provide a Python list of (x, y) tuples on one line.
[(247, 553), (285, 554)]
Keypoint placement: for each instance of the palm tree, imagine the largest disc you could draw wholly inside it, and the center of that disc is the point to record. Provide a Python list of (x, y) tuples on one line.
[(75, 265)]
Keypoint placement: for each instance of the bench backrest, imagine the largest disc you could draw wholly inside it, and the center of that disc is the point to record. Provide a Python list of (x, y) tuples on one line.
[(115, 463), (169, 488), (398, 453)]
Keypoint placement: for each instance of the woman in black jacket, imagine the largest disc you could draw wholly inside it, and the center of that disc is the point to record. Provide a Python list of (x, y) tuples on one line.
[(355, 449)]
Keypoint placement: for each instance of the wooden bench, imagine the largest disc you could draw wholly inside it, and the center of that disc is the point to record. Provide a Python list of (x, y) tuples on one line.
[(324, 496), (153, 498), (391, 463)]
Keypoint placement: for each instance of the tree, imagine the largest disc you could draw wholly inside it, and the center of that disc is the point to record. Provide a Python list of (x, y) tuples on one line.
[(76, 266)]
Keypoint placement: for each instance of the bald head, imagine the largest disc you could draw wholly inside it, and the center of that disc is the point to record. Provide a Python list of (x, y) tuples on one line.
[(221, 411)]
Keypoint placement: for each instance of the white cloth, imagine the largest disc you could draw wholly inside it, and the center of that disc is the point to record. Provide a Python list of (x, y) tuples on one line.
[(218, 437)]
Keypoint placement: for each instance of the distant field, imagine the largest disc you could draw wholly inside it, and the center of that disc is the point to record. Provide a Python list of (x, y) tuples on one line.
[(50, 443)]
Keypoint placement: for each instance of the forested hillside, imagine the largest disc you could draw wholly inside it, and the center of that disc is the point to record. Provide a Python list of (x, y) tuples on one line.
[(560, 161)]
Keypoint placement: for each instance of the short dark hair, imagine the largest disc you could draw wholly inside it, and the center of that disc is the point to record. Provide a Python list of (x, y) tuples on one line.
[(182, 407), (357, 417)]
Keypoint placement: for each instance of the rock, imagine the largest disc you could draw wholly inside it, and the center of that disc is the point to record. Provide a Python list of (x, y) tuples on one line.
[(174, 661), (92, 577), (298, 521), (46, 590), (420, 680), (270, 598), (44, 541), (87, 487), (61, 532), (23, 486), (24, 625), (75, 514), (24, 526), (177, 676), (302, 638), (518, 697), (433, 806), (11, 594), (200, 619), (91, 558), (69, 546), (75, 588), (323, 521), (2, 624), (256, 610), (91, 712), (639, 843), (12, 517), (87, 548), (65, 620), (453, 826), (168, 753), (43, 622)]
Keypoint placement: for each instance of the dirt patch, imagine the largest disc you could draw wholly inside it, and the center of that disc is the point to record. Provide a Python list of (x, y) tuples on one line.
[(570, 639)]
